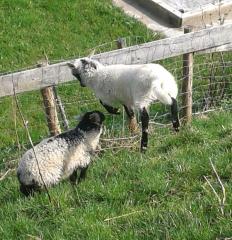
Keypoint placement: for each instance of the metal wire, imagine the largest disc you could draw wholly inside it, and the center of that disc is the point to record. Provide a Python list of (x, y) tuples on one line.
[(212, 89)]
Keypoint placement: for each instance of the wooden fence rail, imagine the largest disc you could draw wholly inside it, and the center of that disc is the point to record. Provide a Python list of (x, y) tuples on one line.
[(217, 38)]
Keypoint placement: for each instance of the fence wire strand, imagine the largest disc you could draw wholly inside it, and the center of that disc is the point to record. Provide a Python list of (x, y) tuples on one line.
[(212, 89)]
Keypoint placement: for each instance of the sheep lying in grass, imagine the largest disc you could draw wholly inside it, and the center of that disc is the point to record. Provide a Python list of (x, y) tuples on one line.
[(61, 156), (133, 86)]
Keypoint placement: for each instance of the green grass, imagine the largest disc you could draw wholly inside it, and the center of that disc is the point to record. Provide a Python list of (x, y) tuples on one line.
[(158, 195), (60, 29), (163, 192)]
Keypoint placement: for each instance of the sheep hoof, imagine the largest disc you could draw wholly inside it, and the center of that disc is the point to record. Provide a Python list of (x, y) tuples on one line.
[(176, 125), (74, 183), (143, 149)]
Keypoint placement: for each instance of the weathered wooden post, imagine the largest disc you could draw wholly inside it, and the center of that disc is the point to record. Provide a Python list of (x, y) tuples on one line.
[(121, 43), (50, 107), (133, 125), (187, 84)]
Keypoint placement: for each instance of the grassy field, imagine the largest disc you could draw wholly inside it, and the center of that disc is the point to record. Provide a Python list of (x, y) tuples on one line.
[(59, 29), (162, 194)]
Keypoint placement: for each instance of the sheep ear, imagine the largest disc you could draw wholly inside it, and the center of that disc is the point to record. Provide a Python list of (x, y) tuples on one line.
[(84, 61), (90, 63), (71, 65)]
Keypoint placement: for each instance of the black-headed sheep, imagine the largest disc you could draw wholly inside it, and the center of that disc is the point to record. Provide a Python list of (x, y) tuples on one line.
[(133, 86), (61, 156)]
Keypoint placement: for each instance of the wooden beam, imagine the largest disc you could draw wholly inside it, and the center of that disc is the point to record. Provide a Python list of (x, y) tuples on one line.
[(169, 47), (145, 53), (207, 14), (222, 48), (34, 79), (163, 11)]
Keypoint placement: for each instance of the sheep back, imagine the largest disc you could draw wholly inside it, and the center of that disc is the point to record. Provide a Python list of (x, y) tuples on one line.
[(135, 86), (57, 157)]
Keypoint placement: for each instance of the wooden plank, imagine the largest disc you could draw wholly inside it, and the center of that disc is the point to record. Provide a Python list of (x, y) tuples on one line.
[(145, 53), (35, 79), (163, 11), (207, 14), (223, 48), (169, 47)]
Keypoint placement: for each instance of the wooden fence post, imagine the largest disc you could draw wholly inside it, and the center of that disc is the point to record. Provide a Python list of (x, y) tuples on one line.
[(133, 125), (121, 43), (50, 108), (187, 85)]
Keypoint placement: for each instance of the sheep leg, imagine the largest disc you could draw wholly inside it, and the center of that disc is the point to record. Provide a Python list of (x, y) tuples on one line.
[(28, 190), (73, 177), (82, 174), (132, 119), (174, 114), (145, 121), (110, 109)]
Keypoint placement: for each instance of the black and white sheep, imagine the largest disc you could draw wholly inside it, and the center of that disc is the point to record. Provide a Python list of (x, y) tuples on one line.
[(61, 156), (133, 86)]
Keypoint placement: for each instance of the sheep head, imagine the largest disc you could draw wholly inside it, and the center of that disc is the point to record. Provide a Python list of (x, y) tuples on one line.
[(81, 67), (91, 120)]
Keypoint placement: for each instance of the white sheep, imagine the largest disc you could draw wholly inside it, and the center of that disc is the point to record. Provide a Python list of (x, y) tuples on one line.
[(60, 157), (133, 86)]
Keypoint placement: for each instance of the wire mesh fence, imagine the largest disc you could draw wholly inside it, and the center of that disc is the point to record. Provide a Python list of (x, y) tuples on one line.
[(212, 90)]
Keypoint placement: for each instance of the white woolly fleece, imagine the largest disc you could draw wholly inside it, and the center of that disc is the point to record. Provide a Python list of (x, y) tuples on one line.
[(57, 159), (135, 86)]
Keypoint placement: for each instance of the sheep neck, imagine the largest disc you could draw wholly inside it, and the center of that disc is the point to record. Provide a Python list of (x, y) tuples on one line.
[(89, 79), (91, 138)]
